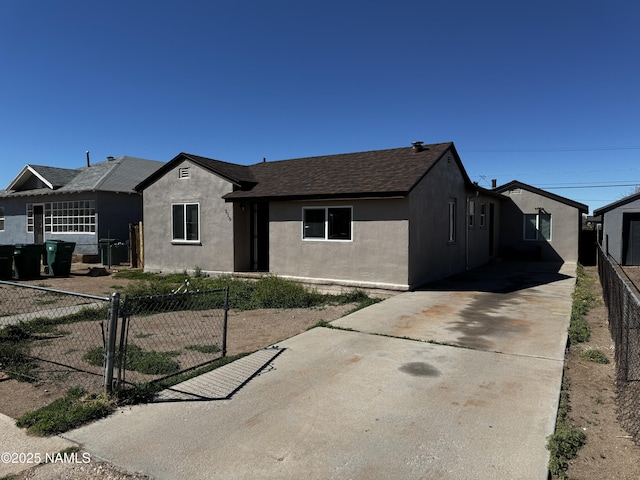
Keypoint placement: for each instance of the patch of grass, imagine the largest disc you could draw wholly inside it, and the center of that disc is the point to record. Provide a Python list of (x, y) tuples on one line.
[(204, 348), (565, 442), (139, 360), (269, 291), (583, 301), (74, 409), (14, 354), (594, 355)]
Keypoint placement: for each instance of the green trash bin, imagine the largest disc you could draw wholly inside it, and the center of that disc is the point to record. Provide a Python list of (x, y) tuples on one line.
[(6, 262), (59, 255), (27, 261)]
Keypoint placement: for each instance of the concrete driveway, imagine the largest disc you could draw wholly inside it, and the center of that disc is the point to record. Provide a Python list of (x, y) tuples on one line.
[(379, 400)]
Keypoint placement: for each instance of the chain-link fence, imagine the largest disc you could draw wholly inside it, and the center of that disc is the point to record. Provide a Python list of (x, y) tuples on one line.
[(63, 339), (165, 335), (623, 304), (46, 334)]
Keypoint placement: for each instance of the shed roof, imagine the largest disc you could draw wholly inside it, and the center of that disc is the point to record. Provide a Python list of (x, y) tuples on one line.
[(618, 203), (515, 184)]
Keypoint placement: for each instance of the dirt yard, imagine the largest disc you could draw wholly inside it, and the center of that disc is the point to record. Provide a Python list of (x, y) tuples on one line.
[(609, 452), (247, 331)]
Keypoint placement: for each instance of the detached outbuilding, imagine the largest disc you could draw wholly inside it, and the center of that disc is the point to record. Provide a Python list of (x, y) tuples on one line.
[(539, 225), (621, 229), (391, 219)]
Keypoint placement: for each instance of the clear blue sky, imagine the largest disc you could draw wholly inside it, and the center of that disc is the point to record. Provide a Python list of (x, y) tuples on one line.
[(545, 92)]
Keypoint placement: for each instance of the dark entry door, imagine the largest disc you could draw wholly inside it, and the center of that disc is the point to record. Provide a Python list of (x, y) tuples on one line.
[(38, 224), (631, 238), (260, 237)]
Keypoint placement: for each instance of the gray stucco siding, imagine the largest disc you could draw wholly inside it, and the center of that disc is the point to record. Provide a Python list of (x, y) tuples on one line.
[(565, 226), (376, 255), (214, 250), (612, 229), (432, 255)]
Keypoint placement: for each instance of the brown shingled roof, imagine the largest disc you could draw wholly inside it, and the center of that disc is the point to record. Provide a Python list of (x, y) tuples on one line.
[(377, 173), (380, 173)]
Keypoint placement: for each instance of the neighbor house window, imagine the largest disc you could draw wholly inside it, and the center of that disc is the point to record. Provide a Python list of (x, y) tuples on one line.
[(452, 220), (537, 226), (483, 215), (185, 220), (1, 218), (66, 217), (472, 213), (326, 223)]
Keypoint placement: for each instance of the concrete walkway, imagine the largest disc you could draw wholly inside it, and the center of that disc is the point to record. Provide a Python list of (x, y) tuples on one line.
[(379, 401)]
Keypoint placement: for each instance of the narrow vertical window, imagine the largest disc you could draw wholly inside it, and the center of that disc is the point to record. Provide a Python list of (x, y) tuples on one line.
[(472, 213), (483, 215), (1, 218), (452, 220)]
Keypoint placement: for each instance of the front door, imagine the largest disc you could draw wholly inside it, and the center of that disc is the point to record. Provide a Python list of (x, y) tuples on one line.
[(260, 237), (38, 224)]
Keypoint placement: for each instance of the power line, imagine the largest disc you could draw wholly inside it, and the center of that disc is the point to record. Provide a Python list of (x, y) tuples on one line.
[(588, 186), (551, 150)]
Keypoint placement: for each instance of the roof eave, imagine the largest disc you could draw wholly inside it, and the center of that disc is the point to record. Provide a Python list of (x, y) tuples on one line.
[(231, 198)]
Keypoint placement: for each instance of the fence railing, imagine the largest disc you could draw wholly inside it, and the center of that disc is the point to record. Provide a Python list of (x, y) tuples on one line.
[(65, 339), (623, 304), (45, 335)]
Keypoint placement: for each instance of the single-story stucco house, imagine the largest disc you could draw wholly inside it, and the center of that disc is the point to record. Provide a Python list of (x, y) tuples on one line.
[(391, 219), (539, 225), (76, 205), (621, 229)]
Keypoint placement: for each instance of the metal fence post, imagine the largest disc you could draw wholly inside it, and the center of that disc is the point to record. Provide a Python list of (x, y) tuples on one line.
[(224, 325), (110, 348)]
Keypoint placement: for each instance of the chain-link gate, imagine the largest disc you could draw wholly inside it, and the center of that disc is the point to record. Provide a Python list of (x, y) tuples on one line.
[(165, 335), (68, 339)]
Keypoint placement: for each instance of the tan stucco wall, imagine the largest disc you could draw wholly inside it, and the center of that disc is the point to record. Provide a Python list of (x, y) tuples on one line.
[(214, 252), (377, 255), (565, 225)]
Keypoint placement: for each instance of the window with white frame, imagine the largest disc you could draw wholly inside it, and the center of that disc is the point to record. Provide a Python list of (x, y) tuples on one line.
[(185, 221), (66, 217), (537, 226), (472, 213), (327, 223), (1, 219), (452, 220), (483, 215)]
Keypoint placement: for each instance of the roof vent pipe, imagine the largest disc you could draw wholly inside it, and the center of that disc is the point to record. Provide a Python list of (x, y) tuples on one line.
[(110, 158), (417, 146), (88, 162), (494, 183)]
